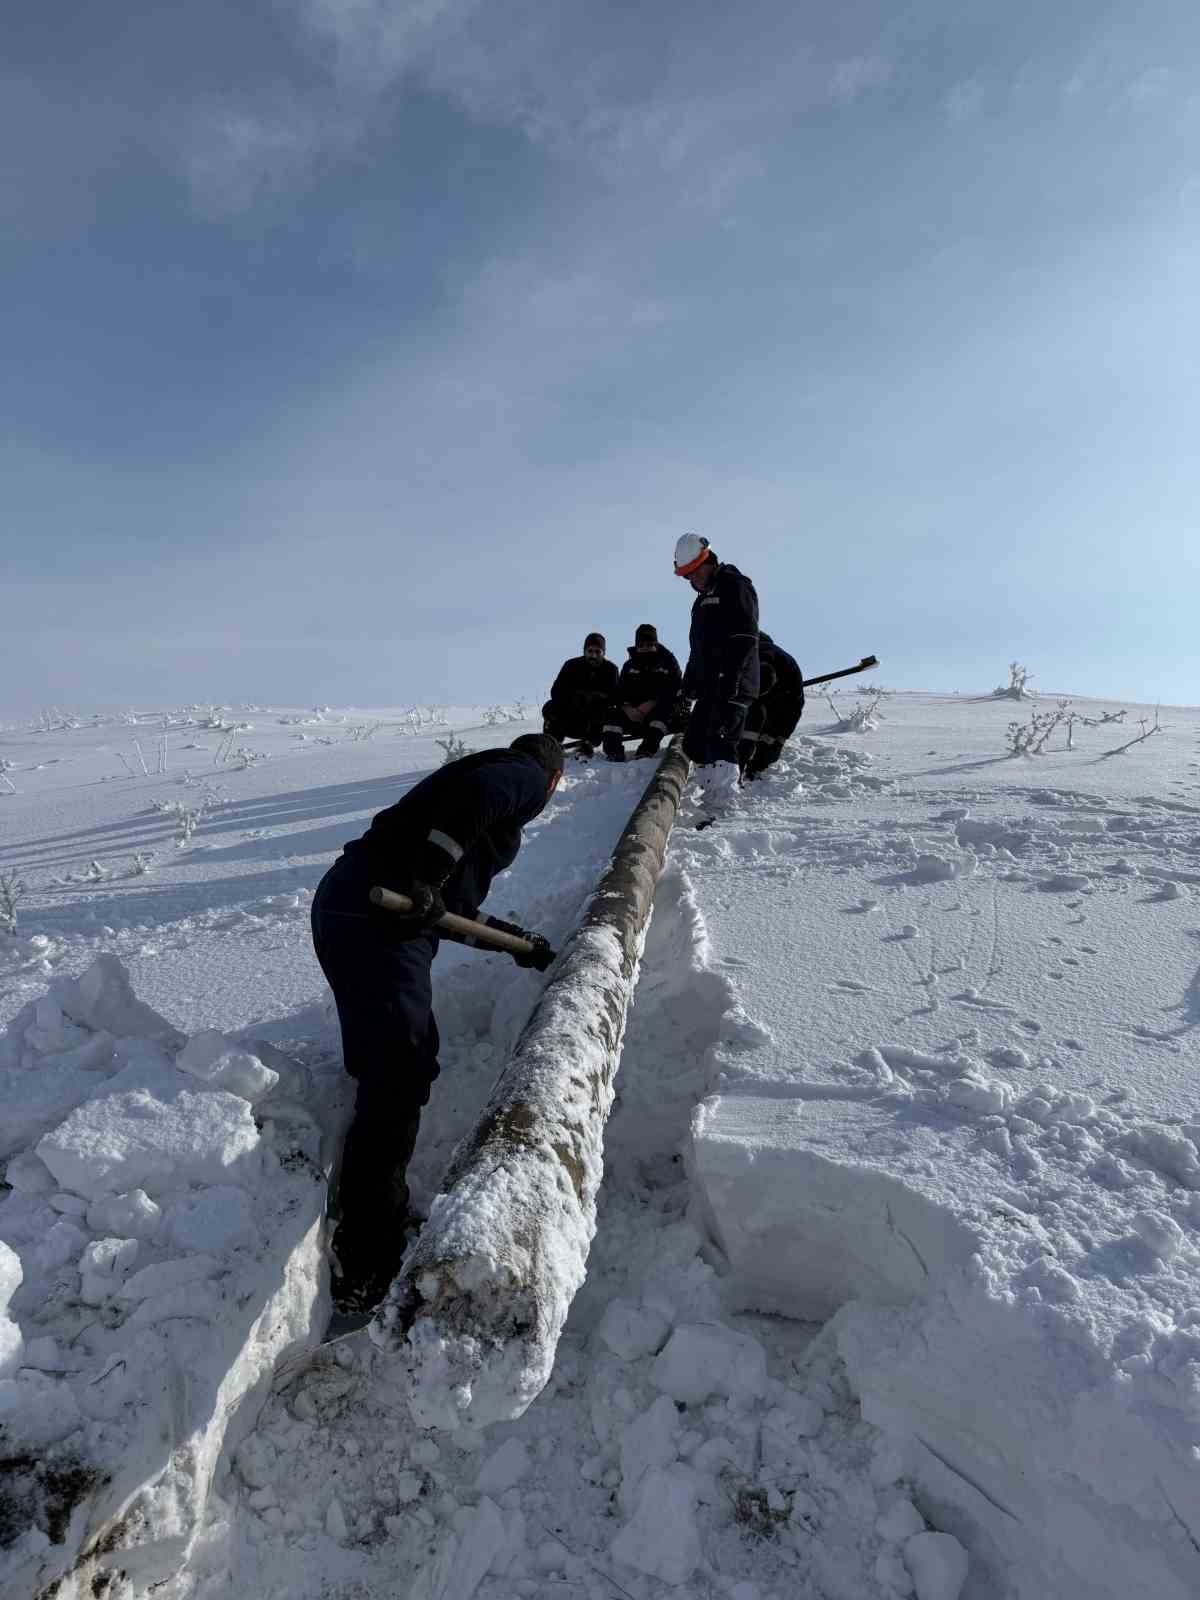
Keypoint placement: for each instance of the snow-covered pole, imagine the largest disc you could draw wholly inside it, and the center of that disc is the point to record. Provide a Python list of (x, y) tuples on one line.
[(477, 1309)]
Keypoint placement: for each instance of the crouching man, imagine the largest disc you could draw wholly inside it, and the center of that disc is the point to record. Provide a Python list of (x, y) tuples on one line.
[(647, 692), (441, 844), (772, 718), (581, 696)]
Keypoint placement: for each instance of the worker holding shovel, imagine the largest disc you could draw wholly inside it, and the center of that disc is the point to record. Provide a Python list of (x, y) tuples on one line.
[(424, 864)]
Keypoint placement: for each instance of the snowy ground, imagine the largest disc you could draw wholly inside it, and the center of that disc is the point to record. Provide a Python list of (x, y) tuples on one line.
[(915, 1037)]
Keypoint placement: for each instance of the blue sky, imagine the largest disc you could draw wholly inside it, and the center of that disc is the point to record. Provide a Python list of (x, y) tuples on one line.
[(364, 352)]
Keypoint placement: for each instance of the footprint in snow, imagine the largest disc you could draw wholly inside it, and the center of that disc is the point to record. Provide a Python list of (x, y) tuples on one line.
[(1030, 1026), (849, 986)]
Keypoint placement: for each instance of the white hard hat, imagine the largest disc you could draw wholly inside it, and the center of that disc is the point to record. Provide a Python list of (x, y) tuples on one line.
[(691, 551)]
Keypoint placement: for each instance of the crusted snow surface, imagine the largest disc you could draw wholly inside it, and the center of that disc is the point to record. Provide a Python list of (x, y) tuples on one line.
[(974, 1130)]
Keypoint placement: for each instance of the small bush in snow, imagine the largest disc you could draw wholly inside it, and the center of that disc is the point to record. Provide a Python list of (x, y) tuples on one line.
[(762, 1513), (1016, 688), (140, 863), (453, 748), (362, 731), (7, 786), (1149, 729), (1029, 738), (188, 815), (517, 712), (11, 891), (864, 718), (52, 720)]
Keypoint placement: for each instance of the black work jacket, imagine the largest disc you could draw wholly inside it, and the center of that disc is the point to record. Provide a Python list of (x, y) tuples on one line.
[(649, 677), (581, 676), (457, 828), (723, 660), (784, 671)]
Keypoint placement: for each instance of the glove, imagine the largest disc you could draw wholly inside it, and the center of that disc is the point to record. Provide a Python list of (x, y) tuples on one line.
[(428, 907), (540, 957)]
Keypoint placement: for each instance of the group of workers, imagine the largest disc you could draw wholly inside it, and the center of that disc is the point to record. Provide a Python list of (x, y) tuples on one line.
[(447, 837), (737, 704)]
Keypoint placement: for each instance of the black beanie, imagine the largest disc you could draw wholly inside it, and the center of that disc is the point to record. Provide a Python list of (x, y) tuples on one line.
[(646, 633), (595, 638)]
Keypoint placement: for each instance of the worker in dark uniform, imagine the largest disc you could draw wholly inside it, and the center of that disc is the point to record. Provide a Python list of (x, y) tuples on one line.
[(721, 676), (772, 718), (441, 844), (582, 694), (647, 692)]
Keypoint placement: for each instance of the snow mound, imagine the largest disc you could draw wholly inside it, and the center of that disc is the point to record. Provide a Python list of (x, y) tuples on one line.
[(159, 1251), (971, 1325)]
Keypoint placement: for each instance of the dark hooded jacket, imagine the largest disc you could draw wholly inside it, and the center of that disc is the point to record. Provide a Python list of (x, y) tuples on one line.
[(782, 679), (723, 660), (581, 676), (649, 677), (459, 827)]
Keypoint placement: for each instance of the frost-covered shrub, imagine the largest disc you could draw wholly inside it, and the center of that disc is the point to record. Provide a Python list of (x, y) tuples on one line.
[(452, 748), (865, 718), (11, 891), (1016, 688), (518, 711), (1029, 738)]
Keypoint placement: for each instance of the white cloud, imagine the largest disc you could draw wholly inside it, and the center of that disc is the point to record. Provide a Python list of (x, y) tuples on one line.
[(231, 156), (851, 79), (692, 107), (964, 102), (1151, 87)]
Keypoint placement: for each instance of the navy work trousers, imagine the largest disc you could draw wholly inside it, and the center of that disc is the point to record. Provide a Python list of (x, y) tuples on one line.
[(384, 993), (713, 730)]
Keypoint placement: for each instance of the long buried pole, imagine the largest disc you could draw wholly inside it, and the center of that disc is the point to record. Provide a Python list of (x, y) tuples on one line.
[(476, 1312)]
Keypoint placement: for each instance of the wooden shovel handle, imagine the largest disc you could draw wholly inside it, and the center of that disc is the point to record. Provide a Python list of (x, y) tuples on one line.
[(494, 938)]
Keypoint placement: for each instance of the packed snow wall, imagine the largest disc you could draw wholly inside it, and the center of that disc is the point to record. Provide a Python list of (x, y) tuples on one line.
[(159, 1252), (481, 1300), (1049, 1415)]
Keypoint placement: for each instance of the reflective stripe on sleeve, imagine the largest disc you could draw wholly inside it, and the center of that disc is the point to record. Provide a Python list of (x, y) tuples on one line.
[(446, 843)]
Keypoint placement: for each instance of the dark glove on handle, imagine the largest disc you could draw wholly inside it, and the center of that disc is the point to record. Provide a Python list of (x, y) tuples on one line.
[(428, 907), (540, 957)]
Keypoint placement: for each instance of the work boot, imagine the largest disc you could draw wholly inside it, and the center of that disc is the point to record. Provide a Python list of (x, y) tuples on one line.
[(720, 780), (585, 749), (614, 747), (650, 743), (375, 1217)]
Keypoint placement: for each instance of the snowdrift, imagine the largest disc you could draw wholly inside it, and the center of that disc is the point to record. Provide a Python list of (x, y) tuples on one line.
[(159, 1252)]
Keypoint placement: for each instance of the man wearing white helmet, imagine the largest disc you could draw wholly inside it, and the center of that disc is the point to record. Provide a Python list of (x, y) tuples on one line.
[(722, 674)]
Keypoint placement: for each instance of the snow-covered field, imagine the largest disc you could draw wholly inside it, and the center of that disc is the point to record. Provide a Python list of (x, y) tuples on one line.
[(896, 1272)]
